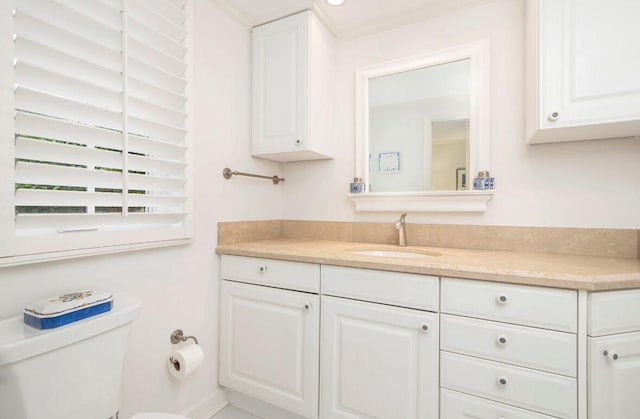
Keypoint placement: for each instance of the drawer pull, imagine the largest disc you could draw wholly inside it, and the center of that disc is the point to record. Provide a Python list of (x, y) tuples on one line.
[(611, 355), (262, 268), (502, 299), (502, 381), (425, 327), (307, 306), (502, 340)]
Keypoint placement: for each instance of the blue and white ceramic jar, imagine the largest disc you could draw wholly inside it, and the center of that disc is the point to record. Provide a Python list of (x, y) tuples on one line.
[(357, 186), (483, 181)]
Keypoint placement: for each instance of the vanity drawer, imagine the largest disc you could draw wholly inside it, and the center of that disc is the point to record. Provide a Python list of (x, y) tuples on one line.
[(456, 405), (393, 288), (527, 305), (544, 350), (613, 312), (297, 276), (539, 391)]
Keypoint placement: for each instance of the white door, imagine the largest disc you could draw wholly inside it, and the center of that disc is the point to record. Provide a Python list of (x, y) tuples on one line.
[(614, 376), (280, 84), (269, 345), (589, 61), (378, 361)]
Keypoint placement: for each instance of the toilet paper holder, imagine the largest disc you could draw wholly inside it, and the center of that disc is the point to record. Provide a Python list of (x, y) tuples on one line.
[(178, 336)]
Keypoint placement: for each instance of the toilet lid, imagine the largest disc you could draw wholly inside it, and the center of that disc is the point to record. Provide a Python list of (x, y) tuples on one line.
[(158, 415)]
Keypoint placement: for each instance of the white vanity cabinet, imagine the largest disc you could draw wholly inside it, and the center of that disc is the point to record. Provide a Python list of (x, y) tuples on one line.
[(583, 61), (292, 89), (269, 345), (336, 342), (506, 346), (379, 357), (614, 354)]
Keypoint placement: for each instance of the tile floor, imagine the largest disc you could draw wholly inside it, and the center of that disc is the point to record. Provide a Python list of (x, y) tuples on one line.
[(232, 412)]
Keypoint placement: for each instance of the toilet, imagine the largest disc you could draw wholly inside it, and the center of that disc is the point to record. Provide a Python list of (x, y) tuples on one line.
[(71, 372)]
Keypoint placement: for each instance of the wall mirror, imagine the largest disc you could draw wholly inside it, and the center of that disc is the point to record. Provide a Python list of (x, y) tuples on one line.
[(422, 131)]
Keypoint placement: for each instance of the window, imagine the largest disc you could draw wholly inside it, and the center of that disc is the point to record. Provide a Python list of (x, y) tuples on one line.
[(94, 125)]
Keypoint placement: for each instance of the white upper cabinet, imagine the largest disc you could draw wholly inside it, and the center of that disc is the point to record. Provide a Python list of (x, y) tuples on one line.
[(292, 86), (583, 62)]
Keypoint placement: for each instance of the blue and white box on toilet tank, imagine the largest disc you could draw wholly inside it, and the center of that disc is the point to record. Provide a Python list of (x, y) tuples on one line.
[(67, 308)]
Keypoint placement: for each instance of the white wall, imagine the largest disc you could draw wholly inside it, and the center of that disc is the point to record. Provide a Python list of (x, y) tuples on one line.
[(178, 286), (581, 184)]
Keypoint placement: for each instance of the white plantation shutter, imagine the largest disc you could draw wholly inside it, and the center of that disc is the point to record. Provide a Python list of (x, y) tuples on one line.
[(100, 123)]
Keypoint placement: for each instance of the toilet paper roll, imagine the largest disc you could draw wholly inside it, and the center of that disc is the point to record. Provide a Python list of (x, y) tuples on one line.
[(184, 361)]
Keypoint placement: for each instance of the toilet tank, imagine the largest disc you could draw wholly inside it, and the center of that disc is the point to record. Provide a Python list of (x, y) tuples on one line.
[(71, 372)]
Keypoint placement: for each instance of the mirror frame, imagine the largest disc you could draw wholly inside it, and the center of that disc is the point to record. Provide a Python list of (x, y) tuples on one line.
[(479, 132)]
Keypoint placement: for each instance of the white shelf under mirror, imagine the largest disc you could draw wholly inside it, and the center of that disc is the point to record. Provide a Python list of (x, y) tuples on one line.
[(433, 201)]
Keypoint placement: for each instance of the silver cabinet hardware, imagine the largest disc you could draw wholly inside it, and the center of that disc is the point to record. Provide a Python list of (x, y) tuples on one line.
[(262, 268), (611, 355), (553, 116), (502, 381), (425, 327), (502, 299), (502, 340)]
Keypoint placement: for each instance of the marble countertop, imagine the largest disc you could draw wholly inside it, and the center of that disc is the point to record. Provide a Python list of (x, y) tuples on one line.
[(550, 270)]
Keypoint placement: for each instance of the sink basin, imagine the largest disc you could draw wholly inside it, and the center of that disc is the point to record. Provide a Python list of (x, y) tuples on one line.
[(392, 253)]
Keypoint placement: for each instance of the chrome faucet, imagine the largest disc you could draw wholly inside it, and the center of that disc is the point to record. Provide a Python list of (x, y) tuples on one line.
[(401, 226)]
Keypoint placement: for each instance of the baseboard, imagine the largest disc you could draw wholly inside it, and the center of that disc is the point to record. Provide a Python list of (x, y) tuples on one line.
[(209, 406), (259, 408)]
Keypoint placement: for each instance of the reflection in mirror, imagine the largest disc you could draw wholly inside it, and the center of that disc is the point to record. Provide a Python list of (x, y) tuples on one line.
[(419, 129), (422, 130), (449, 155)]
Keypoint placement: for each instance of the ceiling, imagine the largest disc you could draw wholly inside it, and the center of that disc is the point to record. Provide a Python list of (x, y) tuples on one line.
[(353, 18)]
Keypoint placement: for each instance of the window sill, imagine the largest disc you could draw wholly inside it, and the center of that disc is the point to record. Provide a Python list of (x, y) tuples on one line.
[(449, 201), (73, 254)]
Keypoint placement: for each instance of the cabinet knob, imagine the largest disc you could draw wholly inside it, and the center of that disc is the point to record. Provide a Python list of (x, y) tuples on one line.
[(307, 306), (262, 268), (502, 340), (502, 381), (611, 355), (502, 299), (298, 141), (553, 116), (424, 327)]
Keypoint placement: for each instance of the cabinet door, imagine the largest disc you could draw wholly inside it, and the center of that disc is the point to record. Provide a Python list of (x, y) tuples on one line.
[(280, 84), (378, 361), (614, 378), (269, 345), (588, 62)]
